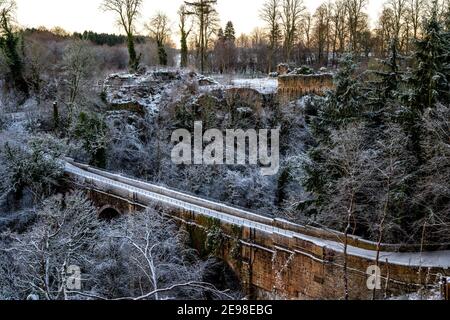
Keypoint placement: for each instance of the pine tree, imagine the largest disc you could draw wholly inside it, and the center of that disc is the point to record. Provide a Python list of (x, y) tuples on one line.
[(391, 78), (383, 93), (91, 130), (230, 34), (428, 81), (431, 76), (162, 55), (220, 35), (338, 109), (345, 103)]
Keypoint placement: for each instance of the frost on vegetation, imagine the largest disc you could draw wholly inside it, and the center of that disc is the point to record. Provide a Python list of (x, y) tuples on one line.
[(148, 89), (429, 295), (151, 89)]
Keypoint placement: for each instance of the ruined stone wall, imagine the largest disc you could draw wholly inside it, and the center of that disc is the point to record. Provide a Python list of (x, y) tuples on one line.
[(292, 86)]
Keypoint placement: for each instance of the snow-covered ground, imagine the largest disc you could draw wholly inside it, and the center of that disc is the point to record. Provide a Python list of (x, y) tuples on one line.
[(149, 89), (263, 85), (123, 89)]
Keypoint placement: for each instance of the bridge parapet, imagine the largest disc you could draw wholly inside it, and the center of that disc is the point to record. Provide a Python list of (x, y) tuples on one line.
[(273, 223), (274, 258)]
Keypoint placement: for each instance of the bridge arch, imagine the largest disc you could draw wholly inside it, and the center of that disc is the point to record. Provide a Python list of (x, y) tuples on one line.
[(108, 213)]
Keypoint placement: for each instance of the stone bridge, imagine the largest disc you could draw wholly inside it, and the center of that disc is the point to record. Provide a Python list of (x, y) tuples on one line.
[(273, 259)]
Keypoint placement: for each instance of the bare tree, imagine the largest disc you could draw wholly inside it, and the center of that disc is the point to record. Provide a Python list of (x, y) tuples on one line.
[(306, 29), (211, 27), (398, 8), (159, 28), (391, 167), (355, 15), (140, 257), (78, 65), (158, 255), (185, 27), (8, 6), (385, 30), (400, 22), (415, 13), (290, 16), (433, 191), (61, 238), (339, 28), (270, 14), (203, 11), (127, 12), (321, 32), (354, 163)]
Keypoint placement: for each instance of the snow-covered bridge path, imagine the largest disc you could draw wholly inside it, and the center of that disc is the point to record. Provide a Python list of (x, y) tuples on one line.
[(147, 194)]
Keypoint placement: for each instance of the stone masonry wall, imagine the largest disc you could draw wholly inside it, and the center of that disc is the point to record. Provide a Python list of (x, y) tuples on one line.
[(292, 86), (276, 266)]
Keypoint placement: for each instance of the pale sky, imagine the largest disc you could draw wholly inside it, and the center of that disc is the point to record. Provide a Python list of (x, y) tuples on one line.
[(81, 15)]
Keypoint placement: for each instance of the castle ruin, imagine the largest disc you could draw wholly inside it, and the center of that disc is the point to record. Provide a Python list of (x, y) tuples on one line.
[(294, 86)]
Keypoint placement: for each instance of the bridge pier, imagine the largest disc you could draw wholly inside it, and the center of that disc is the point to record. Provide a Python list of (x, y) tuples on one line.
[(103, 201)]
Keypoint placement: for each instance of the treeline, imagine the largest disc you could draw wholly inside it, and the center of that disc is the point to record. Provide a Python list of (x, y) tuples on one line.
[(40, 62), (380, 166), (292, 34), (100, 39), (105, 38)]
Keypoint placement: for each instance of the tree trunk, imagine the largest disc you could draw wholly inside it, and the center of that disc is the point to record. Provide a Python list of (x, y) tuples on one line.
[(347, 233), (184, 50), (134, 60)]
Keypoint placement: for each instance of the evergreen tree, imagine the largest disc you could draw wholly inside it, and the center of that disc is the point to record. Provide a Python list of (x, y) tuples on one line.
[(10, 46), (91, 130), (344, 104), (338, 109), (428, 81), (431, 75), (397, 157), (230, 34), (383, 92), (390, 79), (102, 38), (220, 35), (162, 55)]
